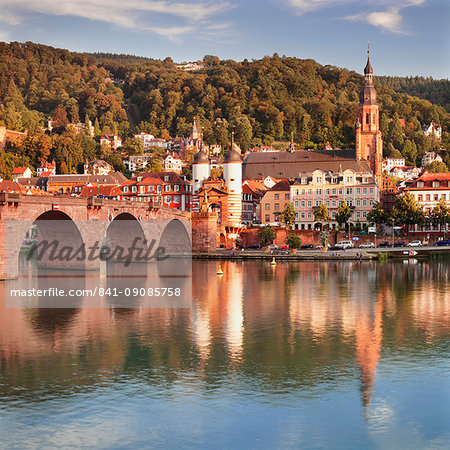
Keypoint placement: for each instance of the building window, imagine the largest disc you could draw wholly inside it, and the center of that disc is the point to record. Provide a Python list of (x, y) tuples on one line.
[(267, 217), (296, 192), (371, 191), (296, 204), (286, 196), (367, 119), (327, 192), (435, 184), (168, 199), (309, 203), (349, 191), (365, 191), (277, 206), (358, 191), (133, 188), (176, 188), (267, 206), (436, 197), (303, 203), (319, 192), (340, 191), (420, 198), (302, 215), (309, 191), (428, 197), (333, 192), (176, 199), (358, 202), (310, 215), (277, 196), (364, 202)]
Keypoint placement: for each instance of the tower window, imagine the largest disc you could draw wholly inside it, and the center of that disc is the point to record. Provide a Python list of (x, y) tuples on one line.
[(367, 119)]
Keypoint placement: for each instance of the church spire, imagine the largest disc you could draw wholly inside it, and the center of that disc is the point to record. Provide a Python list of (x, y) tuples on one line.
[(368, 71)]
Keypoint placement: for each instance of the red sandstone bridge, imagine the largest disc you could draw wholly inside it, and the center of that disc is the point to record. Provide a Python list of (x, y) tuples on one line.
[(80, 221)]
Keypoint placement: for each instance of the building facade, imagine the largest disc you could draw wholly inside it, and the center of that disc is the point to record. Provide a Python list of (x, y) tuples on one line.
[(274, 201), (358, 189)]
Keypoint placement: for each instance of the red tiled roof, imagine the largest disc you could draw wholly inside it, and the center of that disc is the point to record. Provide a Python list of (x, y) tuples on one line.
[(19, 170)]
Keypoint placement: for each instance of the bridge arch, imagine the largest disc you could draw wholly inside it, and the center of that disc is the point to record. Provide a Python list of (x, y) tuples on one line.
[(58, 238), (123, 234), (175, 238)]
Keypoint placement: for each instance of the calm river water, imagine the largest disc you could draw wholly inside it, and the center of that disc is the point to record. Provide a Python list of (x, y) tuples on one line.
[(303, 355)]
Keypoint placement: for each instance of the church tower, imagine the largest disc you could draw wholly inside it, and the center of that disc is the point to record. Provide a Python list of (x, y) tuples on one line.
[(369, 142)]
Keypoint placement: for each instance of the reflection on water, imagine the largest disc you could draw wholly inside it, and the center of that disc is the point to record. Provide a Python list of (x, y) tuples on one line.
[(338, 354)]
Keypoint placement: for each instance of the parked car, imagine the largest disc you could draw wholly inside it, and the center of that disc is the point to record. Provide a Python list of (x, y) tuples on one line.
[(307, 247), (400, 244), (415, 244), (345, 244), (273, 247), (367, 245), (334, 247), (442, 243), (383, 244)]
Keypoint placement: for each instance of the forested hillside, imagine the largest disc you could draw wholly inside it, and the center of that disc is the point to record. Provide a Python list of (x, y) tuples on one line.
[(262, 100)]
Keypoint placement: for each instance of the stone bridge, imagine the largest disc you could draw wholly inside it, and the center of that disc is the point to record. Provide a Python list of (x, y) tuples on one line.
[(80, 222)]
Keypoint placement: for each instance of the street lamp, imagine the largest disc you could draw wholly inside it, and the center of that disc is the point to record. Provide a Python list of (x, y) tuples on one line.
[(393, 221)]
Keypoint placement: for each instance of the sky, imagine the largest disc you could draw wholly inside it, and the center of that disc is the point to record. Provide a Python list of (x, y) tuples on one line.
[(407, 37)]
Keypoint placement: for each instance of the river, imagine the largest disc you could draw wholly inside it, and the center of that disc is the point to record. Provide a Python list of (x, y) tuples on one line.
[(297, 355)]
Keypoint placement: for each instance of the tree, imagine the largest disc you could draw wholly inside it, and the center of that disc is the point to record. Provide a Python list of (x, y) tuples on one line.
[(407, 211), (266, 236), (344, 213), (321, 214), (436, 167), (133, 146), (287, 216), (155, 164), (293, 241), (243, 132), (410, 152), (59, 119), (377, 214), (440, 215), (116, 161), (324, 237)]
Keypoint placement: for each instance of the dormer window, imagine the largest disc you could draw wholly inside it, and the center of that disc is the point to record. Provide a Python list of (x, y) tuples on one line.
[(436, 184), (420, 184), (139, 179)]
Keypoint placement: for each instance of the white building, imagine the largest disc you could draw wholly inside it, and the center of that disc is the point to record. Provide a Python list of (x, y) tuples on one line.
[(172, 163), (390, 163), (148, 141), (137, 162), (21, 172), (430, 157), (433, 129)]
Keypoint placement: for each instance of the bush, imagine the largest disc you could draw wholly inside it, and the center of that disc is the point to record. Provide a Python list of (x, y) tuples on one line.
[(267, 235), (293, 241)]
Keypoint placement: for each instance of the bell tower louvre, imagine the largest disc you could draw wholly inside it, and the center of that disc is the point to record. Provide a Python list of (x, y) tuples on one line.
[(369, 142)]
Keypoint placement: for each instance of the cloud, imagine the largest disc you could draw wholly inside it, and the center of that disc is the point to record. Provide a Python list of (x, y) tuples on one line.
[(305, 6), (389, 20), (131, 14)]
